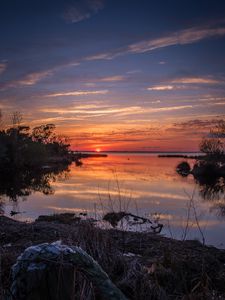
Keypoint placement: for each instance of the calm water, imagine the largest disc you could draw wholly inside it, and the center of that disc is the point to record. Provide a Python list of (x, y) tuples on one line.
[(143, 184)]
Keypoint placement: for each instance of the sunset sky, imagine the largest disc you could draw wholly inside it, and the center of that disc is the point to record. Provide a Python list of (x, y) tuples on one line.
[(115, 74)]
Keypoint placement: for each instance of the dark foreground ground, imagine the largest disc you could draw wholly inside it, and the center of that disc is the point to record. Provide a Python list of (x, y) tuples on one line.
[(142, 265)]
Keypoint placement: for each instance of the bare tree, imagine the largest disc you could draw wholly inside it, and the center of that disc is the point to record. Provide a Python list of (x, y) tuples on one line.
[(214, 144), (1, 120), (16, 119)]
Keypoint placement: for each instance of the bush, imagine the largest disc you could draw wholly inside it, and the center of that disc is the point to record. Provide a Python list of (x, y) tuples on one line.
[(183, 168)]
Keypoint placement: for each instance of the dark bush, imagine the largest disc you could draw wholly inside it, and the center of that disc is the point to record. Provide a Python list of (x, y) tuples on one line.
[(183, 168)]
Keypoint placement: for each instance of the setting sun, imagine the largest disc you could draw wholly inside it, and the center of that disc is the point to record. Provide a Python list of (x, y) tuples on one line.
[(98, 150)]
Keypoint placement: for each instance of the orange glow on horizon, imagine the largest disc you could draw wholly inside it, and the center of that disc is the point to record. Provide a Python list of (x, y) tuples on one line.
[(98, 150), (125, 137)]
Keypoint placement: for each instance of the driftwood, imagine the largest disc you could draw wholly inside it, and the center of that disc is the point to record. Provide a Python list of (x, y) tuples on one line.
[(114, 217), (36, 260)]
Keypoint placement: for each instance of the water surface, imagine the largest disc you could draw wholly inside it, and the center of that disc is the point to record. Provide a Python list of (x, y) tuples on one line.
[(140, 183)]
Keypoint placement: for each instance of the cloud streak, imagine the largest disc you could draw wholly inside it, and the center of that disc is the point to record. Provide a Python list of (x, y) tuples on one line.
[(185, 83), (28, 80), (78, 93), (197, 124), (113, 78), (115, 111), (33, 78), (3, 67), (162, 88), (182, 37), (197, 80)]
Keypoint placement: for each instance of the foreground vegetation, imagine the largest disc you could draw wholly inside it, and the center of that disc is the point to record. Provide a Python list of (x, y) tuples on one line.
[(142, 265)]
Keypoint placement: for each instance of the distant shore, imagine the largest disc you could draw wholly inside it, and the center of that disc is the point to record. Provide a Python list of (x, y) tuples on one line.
[(80, 155), (141, 152), (181, 156)]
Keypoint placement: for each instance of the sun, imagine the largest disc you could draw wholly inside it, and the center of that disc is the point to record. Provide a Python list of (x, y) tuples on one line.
[(98, 150)]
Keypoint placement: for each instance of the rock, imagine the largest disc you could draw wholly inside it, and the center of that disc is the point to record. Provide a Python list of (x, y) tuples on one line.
[(36, 273)]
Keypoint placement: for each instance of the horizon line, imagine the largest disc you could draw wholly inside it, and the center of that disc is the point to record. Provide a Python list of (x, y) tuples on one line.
[(135, 151)]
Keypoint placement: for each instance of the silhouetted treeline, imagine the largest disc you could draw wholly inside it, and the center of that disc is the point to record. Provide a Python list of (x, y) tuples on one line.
[(23, 146), (209, 170)]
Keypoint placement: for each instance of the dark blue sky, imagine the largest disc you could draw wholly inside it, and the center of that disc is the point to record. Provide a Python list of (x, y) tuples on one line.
[(115, 74)]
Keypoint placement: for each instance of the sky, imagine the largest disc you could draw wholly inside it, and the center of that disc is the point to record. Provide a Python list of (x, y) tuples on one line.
[(134, 75)]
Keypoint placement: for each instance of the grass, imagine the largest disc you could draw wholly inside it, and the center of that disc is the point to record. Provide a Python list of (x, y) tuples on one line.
[(142, 265)]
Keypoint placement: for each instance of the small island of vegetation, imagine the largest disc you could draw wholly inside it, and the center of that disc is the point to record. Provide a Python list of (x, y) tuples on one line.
[(211, 164)]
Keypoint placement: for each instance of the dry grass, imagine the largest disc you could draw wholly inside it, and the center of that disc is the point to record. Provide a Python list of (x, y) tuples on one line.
[(143, 266)]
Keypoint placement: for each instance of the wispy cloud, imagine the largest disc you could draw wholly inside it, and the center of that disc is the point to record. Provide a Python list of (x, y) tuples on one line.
[(161, 88), (197, 80), (5, 106), (167, 108), (182, 37), (55, 120), (33, 78), (78, 93), (200, 127), (134, 72), (82, 10), (103, 56), (186, 83), (197, 124), (28, 80), (88, 111), (113, 78), (87, 106), (36, 76), (90, 84), (115, 111), (3, 66)]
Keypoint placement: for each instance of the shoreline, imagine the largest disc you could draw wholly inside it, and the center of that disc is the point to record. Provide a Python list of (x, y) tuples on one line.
[(161, 261), (181, 156)]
